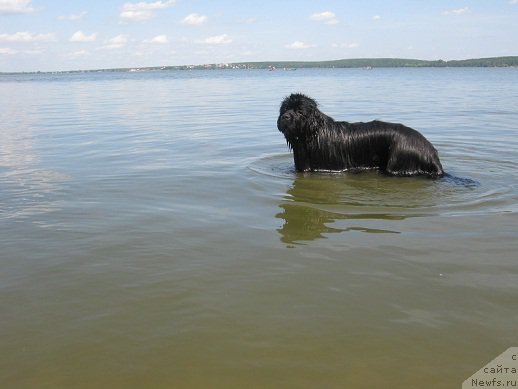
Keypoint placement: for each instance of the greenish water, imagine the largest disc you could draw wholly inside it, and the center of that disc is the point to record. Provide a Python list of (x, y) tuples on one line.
[(154, 234)]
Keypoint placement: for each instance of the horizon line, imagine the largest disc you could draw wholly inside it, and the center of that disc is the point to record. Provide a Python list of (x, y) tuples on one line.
[(223, 65)]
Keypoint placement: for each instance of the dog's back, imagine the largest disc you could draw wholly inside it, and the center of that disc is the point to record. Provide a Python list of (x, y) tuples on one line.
[(391, 147), (321, 143)]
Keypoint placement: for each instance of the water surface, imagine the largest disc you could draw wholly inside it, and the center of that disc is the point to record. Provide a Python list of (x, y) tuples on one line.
[(153, 233)]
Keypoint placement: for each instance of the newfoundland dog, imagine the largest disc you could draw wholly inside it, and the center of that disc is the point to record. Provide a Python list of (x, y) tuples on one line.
[(320, 143)]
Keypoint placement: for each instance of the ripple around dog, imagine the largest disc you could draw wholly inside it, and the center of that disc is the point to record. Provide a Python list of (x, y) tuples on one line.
[(373, 192)]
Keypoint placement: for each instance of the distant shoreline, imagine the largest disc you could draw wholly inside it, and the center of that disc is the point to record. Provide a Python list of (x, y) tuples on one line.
[(367, 63)]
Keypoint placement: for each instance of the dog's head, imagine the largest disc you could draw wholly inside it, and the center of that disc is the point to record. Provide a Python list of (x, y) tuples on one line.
[(298, 117)]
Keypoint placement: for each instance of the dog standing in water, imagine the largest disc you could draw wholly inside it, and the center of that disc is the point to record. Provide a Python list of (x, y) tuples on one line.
[(320, 143)]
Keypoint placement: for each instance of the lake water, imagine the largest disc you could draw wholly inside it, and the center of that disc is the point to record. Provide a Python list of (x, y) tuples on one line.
[(154, 234)]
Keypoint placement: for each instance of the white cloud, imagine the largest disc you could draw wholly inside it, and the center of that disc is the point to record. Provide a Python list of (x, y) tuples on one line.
[(223, 39), (460, 11), (376, 17), (159, 39), (326, 17), (77, 54), (143, 11), (27, 37), (16, 6), (352, 45), (74, 17), (194, 19), (299, 45), (80, 36), (513, 2), (10, 51), (249, 21), (116, 42)]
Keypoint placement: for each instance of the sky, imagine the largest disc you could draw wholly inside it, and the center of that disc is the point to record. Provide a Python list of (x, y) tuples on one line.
[(54, 35)]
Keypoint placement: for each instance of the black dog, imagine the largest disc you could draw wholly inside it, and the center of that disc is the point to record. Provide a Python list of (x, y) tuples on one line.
[(321, 143)]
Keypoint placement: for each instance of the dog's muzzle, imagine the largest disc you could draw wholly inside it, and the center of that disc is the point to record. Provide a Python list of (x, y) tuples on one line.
[(285, 121)]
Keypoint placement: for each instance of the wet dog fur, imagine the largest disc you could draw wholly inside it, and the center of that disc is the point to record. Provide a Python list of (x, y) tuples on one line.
[(320, 143)]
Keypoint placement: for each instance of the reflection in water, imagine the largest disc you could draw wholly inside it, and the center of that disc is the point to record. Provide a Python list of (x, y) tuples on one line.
[(302, 222), (26, 184), (317, 200)]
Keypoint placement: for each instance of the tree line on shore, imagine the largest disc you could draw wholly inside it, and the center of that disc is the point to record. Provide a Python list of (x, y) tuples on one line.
[(368, 63), (371, 63)]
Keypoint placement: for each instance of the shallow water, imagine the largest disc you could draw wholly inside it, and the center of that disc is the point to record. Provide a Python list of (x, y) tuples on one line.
[(153, 233)]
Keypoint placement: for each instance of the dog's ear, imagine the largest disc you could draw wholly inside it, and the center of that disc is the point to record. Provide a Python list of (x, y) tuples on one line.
[(315, 120), (284, 106)]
